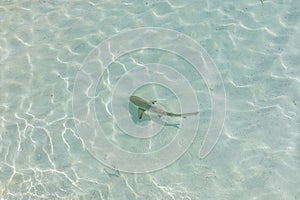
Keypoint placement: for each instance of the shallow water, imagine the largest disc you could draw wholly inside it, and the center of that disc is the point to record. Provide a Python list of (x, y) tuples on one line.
[(44, 154)]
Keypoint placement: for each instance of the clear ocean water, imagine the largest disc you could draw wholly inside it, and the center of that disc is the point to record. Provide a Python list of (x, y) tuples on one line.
[(51, 81)]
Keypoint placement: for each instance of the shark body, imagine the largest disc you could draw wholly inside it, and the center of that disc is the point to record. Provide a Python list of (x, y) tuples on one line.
[(144, 105)]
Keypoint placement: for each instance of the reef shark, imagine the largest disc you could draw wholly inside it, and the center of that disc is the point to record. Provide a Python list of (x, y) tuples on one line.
[(144, 105)]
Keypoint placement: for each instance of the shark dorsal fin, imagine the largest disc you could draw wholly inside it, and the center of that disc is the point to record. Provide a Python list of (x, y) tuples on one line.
[(140, 113), (153, 101)]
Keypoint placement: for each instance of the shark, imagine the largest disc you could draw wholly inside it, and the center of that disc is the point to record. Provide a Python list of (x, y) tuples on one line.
[(148, 105)]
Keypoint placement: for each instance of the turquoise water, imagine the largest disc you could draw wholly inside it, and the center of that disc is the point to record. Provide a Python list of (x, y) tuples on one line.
[(46, 45)]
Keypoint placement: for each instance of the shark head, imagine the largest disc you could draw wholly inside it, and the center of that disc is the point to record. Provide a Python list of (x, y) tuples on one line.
[(141, 103)]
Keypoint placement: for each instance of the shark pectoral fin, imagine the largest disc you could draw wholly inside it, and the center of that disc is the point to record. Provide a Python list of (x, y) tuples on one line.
[(140, 113)]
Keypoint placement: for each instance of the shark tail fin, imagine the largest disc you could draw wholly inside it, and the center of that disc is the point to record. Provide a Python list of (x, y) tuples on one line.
[(184, 115)]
